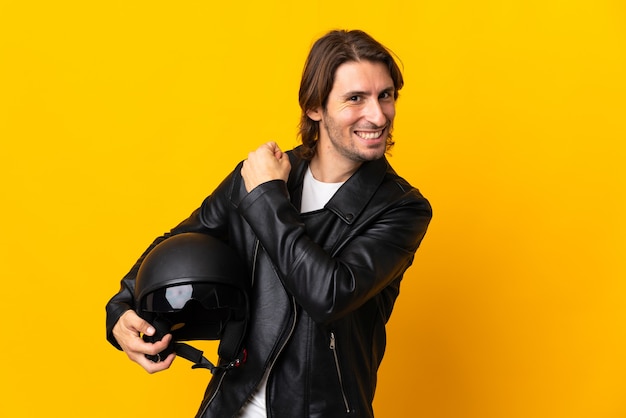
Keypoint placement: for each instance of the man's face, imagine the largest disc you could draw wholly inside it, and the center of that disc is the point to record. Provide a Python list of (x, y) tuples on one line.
[(359, 113)]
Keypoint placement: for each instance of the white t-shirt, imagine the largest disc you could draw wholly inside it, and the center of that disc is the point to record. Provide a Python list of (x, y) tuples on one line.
[(315, 195)]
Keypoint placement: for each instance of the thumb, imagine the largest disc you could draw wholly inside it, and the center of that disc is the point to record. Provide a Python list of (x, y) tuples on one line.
[(149, 330), (283, 159), (146, 328), (134, 321)]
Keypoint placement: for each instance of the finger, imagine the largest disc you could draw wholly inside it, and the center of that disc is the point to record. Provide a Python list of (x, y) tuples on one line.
[(272, 145), (134, 323), (284, 163), (157, 346), (154, 367), (273, 148), (278, 153), (139, 348)]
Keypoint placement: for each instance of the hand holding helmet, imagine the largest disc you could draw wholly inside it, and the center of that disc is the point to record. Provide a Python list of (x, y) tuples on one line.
[(128, 331)]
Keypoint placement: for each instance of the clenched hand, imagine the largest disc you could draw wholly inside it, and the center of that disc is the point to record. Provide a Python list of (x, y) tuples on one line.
[(265, 164), (127, 331)]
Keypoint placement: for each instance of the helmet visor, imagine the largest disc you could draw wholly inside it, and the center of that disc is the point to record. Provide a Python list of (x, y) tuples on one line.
[(208, 295)]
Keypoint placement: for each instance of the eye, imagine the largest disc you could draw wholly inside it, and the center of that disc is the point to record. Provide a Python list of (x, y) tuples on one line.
[(354, 98), (385, 95)]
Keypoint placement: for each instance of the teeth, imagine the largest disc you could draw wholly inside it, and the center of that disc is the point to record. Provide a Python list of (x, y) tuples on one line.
[(369, 135)]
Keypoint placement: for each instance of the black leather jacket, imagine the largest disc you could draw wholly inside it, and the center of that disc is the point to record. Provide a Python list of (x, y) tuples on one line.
[(324, 285)]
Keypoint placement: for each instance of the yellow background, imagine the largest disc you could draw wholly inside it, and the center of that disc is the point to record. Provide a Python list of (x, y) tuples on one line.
[(117, 118)]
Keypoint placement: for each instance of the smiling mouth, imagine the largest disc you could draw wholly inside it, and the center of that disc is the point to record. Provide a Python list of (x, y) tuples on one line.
[(369, 135)]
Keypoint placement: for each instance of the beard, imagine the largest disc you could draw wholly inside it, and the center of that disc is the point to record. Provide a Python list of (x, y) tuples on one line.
[(345, 143)]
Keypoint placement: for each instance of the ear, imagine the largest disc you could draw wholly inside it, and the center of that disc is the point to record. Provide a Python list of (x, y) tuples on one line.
[(315, 114)]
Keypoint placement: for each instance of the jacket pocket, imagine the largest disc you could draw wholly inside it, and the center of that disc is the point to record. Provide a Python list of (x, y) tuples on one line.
[(333, 348)]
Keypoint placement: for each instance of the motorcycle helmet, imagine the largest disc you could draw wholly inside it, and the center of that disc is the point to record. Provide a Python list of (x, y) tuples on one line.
[(194, 287)]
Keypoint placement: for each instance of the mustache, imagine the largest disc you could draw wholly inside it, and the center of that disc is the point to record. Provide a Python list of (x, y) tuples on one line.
[(372, 127)]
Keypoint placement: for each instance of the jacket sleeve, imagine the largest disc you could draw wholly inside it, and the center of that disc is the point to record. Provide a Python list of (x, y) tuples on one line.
[(211, 221), (329, 286)]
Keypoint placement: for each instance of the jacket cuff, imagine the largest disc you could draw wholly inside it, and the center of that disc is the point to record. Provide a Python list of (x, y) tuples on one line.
[(271, 187)]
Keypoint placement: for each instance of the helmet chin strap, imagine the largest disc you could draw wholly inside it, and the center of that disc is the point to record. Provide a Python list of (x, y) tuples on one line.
[(200, 362), (186, 351), (193, 355)]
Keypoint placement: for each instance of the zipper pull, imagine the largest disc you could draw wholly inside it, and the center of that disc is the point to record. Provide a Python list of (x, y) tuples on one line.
[(332, 340)]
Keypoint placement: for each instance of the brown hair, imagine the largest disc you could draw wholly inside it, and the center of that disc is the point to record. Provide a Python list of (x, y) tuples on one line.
[(327, 54)]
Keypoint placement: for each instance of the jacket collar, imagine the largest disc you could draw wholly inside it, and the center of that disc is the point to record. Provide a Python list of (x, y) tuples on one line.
[(352, 197)]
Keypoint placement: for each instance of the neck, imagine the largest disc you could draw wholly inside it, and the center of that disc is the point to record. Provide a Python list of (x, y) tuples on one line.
[(330, 170)]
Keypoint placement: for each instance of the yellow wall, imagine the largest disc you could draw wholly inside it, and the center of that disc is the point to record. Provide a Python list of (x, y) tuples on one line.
[(118, 117)]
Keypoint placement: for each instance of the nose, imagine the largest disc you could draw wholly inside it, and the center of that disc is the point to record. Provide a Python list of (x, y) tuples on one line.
[(375, 113)]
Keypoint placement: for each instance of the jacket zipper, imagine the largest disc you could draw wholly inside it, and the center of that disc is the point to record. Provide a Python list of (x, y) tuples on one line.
[(215, 392), (284, 344), (333, 347), (282, 347)]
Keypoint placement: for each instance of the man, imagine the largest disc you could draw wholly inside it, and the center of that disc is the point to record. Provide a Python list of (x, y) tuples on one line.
[(327, 231)]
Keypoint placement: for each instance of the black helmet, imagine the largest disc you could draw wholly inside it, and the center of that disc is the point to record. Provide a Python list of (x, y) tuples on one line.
[(195, 287)]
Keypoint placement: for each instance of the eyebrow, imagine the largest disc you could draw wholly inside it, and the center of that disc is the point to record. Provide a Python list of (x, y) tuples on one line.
[(389, 89)]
